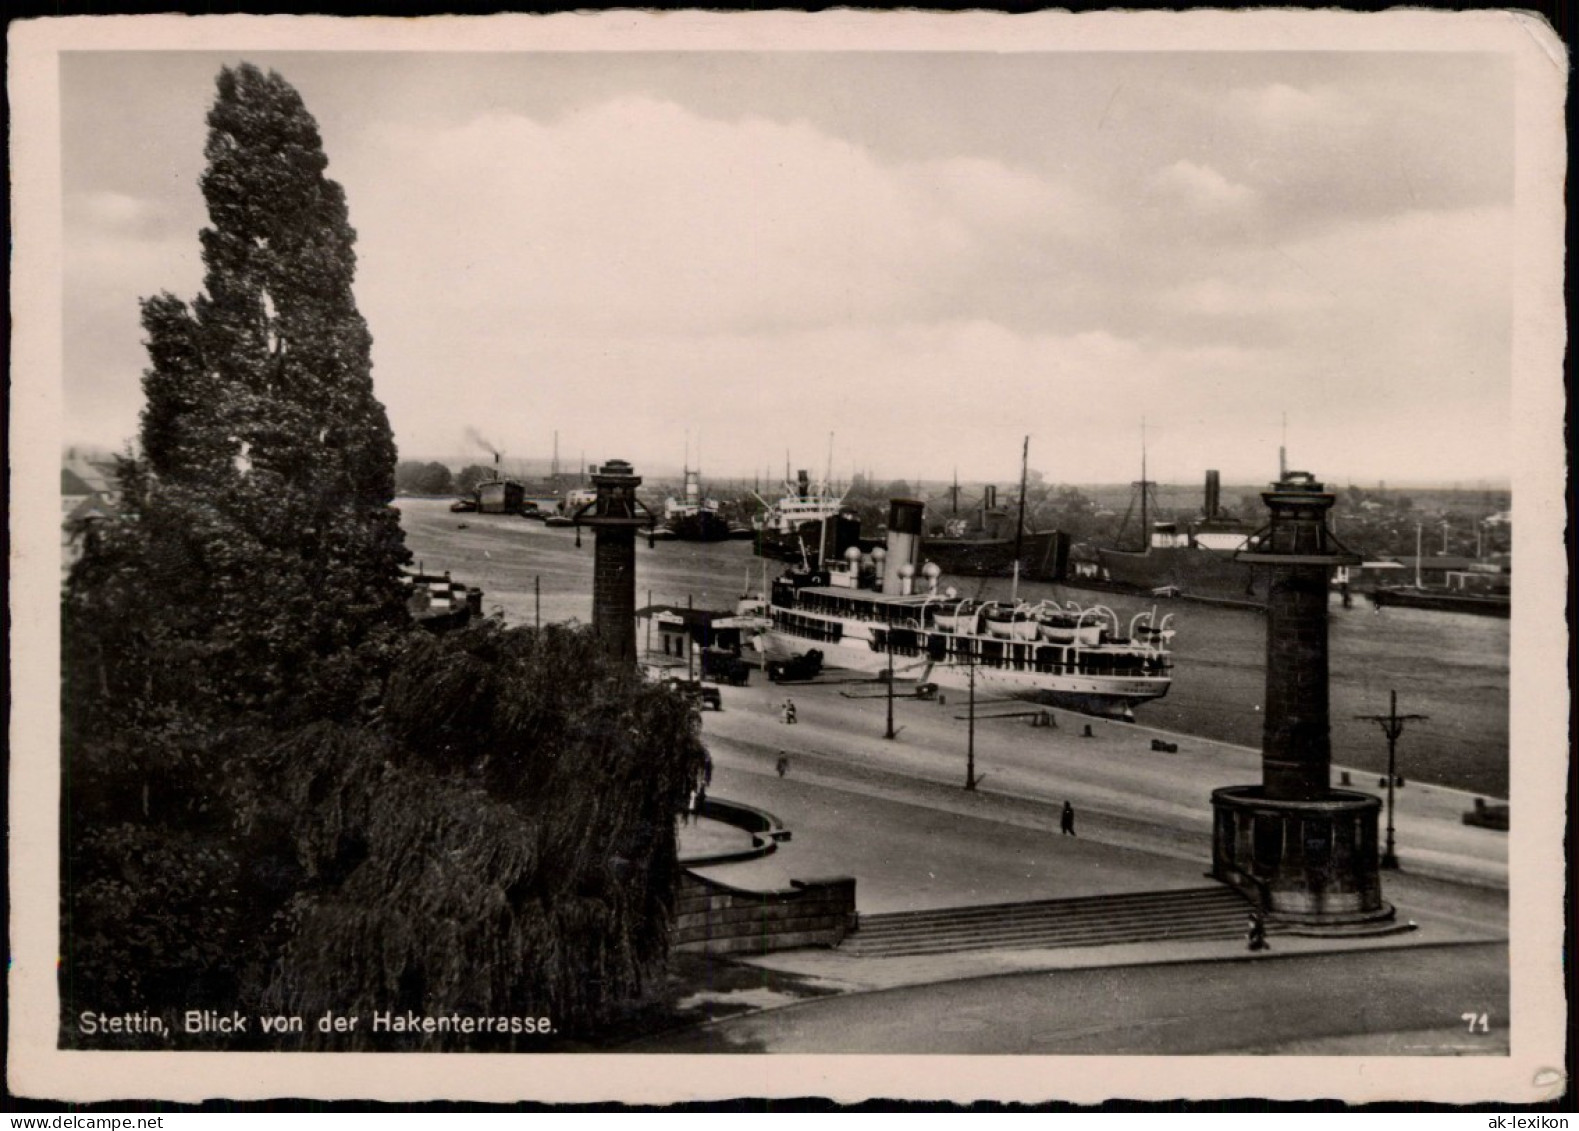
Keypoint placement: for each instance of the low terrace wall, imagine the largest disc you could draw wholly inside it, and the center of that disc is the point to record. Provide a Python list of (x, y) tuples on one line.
[(714, 918)]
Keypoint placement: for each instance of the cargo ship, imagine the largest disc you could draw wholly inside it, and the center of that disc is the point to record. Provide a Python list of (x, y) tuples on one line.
[(883, 612), (807, 525), (1196, 562), (694, 517), (990, 544)]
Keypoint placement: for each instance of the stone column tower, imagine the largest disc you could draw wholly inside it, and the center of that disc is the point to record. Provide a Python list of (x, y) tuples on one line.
[(1299, 848), (614, 516)]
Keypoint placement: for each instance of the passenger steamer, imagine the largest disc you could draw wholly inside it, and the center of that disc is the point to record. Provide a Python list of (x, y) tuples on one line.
[(864, 613)]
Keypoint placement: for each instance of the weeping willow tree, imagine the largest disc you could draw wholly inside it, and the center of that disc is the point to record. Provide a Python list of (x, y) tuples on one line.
[(277, 790), (501, 843)]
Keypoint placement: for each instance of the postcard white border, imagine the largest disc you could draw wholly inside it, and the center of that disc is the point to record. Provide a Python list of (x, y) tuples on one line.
[(1539, 708)]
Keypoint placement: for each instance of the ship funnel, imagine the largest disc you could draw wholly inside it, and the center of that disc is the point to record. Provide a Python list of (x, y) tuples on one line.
[(904, 542), (1214, 493), (989, 497), (803, 484)]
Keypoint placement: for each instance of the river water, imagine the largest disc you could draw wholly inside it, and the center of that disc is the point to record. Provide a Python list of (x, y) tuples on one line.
[(1451, 667)]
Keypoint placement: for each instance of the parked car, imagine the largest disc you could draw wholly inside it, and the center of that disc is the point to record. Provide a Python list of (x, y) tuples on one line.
[(698, 693), (803, 667), (725, 667)]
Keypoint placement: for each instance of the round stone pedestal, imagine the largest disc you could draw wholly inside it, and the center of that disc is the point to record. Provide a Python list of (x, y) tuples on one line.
[(1312, 862)]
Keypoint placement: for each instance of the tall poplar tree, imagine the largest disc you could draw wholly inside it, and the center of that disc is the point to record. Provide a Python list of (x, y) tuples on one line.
[(278, 793), (260, 407)]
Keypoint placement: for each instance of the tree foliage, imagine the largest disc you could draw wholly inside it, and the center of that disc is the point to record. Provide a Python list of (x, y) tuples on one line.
[(416, 478), (471, 475), (270, 461), (502, 843), (278, 792)]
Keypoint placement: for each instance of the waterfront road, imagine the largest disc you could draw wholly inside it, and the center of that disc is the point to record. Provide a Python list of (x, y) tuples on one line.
[(1126, 794), (1381, 1002)]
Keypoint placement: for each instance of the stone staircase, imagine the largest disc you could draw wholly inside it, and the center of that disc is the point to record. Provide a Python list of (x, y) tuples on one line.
[(1215, 912)]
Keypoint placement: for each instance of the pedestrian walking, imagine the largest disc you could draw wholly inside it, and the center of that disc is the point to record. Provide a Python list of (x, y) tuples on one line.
[(685, 810), (1067, 821), (699, 800), (707, 769), (1257, 933), (782, 765), (789, 711)]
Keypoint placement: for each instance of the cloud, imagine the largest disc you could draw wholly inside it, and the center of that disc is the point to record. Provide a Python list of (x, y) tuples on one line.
[(754, 278), (1207, 248), (1218, 296), (1202, 187), (1278, 106), (995, 198), (901, 397), (108, 210), (641, 215), (116, 248)]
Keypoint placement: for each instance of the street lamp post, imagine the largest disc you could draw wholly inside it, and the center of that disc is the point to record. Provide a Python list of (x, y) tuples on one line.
[(890, 638), (970, 726), (1392, 725)]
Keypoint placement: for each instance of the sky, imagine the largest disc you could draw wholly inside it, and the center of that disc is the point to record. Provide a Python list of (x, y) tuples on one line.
[(730, 256)]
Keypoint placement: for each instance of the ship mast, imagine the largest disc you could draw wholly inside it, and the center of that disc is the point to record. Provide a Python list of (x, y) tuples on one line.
[(1145, 486), (1019, 530)]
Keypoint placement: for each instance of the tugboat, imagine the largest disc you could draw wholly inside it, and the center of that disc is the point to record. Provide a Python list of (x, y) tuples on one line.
[(574, 500), (865, 613)]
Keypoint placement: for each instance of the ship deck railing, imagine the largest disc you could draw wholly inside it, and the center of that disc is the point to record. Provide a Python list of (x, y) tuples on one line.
[(866, 612), (1149, 663)]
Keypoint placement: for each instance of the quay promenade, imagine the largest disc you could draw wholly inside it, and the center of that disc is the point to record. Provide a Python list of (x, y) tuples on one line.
[(893, 814)]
